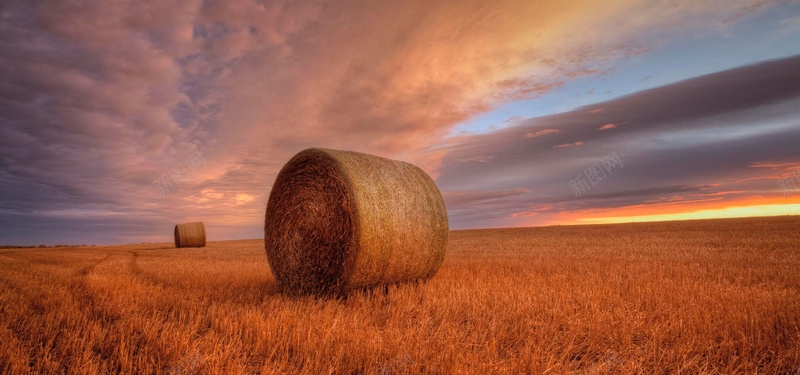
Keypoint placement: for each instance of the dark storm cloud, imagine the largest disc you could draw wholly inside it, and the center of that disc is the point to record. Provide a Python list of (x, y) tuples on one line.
[(699, 132)]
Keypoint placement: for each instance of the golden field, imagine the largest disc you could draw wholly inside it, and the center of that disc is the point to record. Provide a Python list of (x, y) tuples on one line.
[(720, 296)]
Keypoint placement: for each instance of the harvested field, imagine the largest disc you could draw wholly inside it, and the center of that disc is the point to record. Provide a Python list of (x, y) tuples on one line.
[(719, 296)]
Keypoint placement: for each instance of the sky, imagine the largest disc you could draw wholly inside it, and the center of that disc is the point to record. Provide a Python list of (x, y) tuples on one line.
[(119, 119)]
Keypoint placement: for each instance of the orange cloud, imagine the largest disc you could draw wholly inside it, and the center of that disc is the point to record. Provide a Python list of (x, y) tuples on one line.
[(568, 145), (607, 126), (524, 214), (779, 166), (542, 132), (728, 192)]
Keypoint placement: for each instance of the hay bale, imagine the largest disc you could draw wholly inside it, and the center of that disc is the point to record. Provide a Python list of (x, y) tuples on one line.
[(190, 235), (341, 220)]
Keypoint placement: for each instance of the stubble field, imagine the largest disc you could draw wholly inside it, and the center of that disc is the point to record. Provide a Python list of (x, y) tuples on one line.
[(718, 296)]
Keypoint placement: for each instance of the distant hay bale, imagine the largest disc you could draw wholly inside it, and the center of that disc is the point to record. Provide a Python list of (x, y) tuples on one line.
[(341, 220), (190, 235)]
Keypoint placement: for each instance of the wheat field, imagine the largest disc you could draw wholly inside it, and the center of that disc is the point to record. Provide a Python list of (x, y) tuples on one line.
[(720, 296)]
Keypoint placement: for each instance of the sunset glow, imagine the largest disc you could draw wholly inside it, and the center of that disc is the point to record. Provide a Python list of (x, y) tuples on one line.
[(747, 211), (113, 130)]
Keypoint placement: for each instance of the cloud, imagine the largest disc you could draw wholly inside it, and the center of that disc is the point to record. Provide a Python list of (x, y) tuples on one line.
[(568, 145), (479, 159), (607, 126), (698, 140), (790, 24), (775, 166), (99, 99), (542, 132)]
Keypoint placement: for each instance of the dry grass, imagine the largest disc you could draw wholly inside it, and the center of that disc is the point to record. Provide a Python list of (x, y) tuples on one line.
[(691, 297)]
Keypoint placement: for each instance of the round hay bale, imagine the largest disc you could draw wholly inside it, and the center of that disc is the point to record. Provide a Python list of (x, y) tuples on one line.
[(190, 235), (342, 220)]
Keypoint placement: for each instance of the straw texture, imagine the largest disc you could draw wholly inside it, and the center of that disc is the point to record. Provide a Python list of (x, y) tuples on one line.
[(190, 235), (342, 220)]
